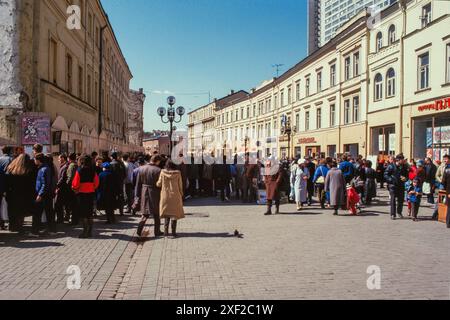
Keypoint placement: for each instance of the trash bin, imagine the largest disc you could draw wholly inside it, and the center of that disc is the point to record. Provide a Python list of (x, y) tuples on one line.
[(442, 209)]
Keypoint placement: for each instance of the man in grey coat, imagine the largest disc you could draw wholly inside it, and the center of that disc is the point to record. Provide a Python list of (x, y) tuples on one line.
[(148, 194), (335, 185)]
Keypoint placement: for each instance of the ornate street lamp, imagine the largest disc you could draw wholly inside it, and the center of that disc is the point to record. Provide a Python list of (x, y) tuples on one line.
[(287, 129), (171, 114)]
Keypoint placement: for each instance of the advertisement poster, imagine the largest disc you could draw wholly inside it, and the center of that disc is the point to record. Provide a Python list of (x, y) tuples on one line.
[(35, 129), (442, 135), (429, 137), (392, 142), (381, 142)]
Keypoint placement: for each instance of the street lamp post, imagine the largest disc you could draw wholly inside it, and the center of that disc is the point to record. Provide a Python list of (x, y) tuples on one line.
[(287, 129), (171, 114)]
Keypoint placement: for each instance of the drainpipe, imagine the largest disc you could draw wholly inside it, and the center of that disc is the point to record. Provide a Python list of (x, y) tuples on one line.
[(403, 6), (100, 83)]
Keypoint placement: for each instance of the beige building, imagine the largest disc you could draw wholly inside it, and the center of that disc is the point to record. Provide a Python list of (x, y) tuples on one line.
[(78, 78), (371, 91)]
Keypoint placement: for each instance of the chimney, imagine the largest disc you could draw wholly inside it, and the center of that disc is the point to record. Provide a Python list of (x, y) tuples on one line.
[(141, 90), (253, 90), (215, 99), (232, 91)]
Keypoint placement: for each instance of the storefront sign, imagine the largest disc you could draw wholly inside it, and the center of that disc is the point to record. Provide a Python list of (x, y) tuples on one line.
[(437, 105), (35, 129), (307, 140)]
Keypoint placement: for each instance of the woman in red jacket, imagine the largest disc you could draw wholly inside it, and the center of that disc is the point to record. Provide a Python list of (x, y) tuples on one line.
[(412, 170), (84, 185)]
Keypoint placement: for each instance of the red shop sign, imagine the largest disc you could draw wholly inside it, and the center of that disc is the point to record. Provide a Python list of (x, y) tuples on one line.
[(307, 140), (437, 105)]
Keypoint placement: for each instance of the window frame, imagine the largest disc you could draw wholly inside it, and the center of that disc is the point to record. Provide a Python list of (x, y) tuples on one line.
[(379, 41), (332, 115), (378, 87), (319, 118), (423, 69), (390, 83), (356, 109), (392, 34), (347, 119)]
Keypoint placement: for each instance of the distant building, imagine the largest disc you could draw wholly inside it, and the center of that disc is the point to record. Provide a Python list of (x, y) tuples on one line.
[(325, 17)]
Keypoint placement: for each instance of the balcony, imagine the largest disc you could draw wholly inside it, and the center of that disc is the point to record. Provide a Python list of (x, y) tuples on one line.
[(384, 52)]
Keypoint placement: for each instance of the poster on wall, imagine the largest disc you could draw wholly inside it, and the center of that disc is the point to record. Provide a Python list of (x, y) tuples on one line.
[(392, 142), (429, 137), (442, 135), (35, 129), (381, 142)]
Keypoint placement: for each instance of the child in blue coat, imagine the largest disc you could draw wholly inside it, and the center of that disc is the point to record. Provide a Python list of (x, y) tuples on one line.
[(414, 197)]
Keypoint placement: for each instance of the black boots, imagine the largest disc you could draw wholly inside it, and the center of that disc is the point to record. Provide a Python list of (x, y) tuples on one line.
[(85, 224), (174, 228), (269, 208), (141, 227)]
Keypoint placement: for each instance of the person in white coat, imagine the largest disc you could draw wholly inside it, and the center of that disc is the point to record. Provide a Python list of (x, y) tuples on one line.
[(299, 178)]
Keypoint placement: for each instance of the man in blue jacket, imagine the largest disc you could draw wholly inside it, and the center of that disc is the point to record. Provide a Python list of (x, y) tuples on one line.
[(347, 169), (319, 180), (44, 197)]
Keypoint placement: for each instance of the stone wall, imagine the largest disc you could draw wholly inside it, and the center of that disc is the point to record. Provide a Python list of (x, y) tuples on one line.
[(17, 84)]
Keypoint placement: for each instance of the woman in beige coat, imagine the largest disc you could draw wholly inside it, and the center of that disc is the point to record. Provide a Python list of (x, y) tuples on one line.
[(171, 204)]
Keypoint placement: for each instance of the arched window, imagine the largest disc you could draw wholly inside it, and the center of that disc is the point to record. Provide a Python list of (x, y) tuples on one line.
[(390, 83), (378, 87), (392, 36), (379, 43)]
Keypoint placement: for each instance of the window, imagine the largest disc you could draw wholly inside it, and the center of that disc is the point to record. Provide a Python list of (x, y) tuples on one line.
[(356, 64), (319, 118), (424, 68), (319, 81), (333, 75), (89, 90), (392, 36), (282, 98), (426, 15), (89, 25), (254, 109), (307, 120), (80, 82), (242, 113), (307, 84), (378, 87), (95, 93), (346, 111), (248, 112), (355, 109), (275, 101), (332, 115), (379, 43), (297, 121), (289, 95), (390, 85), (297, 91), (347, 68), (53, 72), (69, 73), (448, 63)]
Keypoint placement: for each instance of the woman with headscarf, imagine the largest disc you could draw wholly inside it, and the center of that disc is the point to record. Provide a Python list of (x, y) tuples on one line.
[(299, 178), (107, 193)]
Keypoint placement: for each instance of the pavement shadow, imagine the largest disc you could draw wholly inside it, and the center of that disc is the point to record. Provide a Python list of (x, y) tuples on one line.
[(301, 213), (31, 245), (206, 235)]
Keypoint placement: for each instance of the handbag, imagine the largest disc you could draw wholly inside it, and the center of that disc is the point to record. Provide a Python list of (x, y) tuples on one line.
[(321, 179), (426, 188), (4, 210)]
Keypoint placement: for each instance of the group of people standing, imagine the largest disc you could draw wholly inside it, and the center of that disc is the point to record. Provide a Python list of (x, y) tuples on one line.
[(350, 183), (81, 186)]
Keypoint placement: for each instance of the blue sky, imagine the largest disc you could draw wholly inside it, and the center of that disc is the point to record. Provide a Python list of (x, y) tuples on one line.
[(192, 47)]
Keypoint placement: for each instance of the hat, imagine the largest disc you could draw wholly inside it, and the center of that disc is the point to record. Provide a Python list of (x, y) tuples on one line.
[(420, 163), (301, 161), (106, 165)]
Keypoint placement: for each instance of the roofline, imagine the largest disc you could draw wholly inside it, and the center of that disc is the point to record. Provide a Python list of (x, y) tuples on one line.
[(114, 36)]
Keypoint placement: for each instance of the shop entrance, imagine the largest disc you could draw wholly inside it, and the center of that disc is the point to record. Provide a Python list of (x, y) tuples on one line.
[(313, 151), (383, 142), (331, 151)]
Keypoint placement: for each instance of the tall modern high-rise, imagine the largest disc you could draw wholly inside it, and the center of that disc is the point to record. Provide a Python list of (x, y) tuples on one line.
[(326, 16)]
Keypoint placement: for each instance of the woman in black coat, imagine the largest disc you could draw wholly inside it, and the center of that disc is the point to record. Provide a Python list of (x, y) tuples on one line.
[(20, 191)]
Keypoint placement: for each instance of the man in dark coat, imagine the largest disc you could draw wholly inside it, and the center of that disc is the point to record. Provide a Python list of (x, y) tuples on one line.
[(396, 175), (62, 189), (148, 194), (107, 193), (446, 185), (249, 180), (310, 184), (120, 173), (222, 176)]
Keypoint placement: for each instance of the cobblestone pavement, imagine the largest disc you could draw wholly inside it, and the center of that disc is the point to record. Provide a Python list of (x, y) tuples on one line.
[(307, 255)]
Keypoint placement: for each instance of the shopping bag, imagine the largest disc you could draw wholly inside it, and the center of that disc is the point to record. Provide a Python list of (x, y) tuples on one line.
[(4, 210), (426, 188)]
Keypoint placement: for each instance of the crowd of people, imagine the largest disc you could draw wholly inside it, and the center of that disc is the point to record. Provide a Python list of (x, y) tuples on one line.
[(82, 186)]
